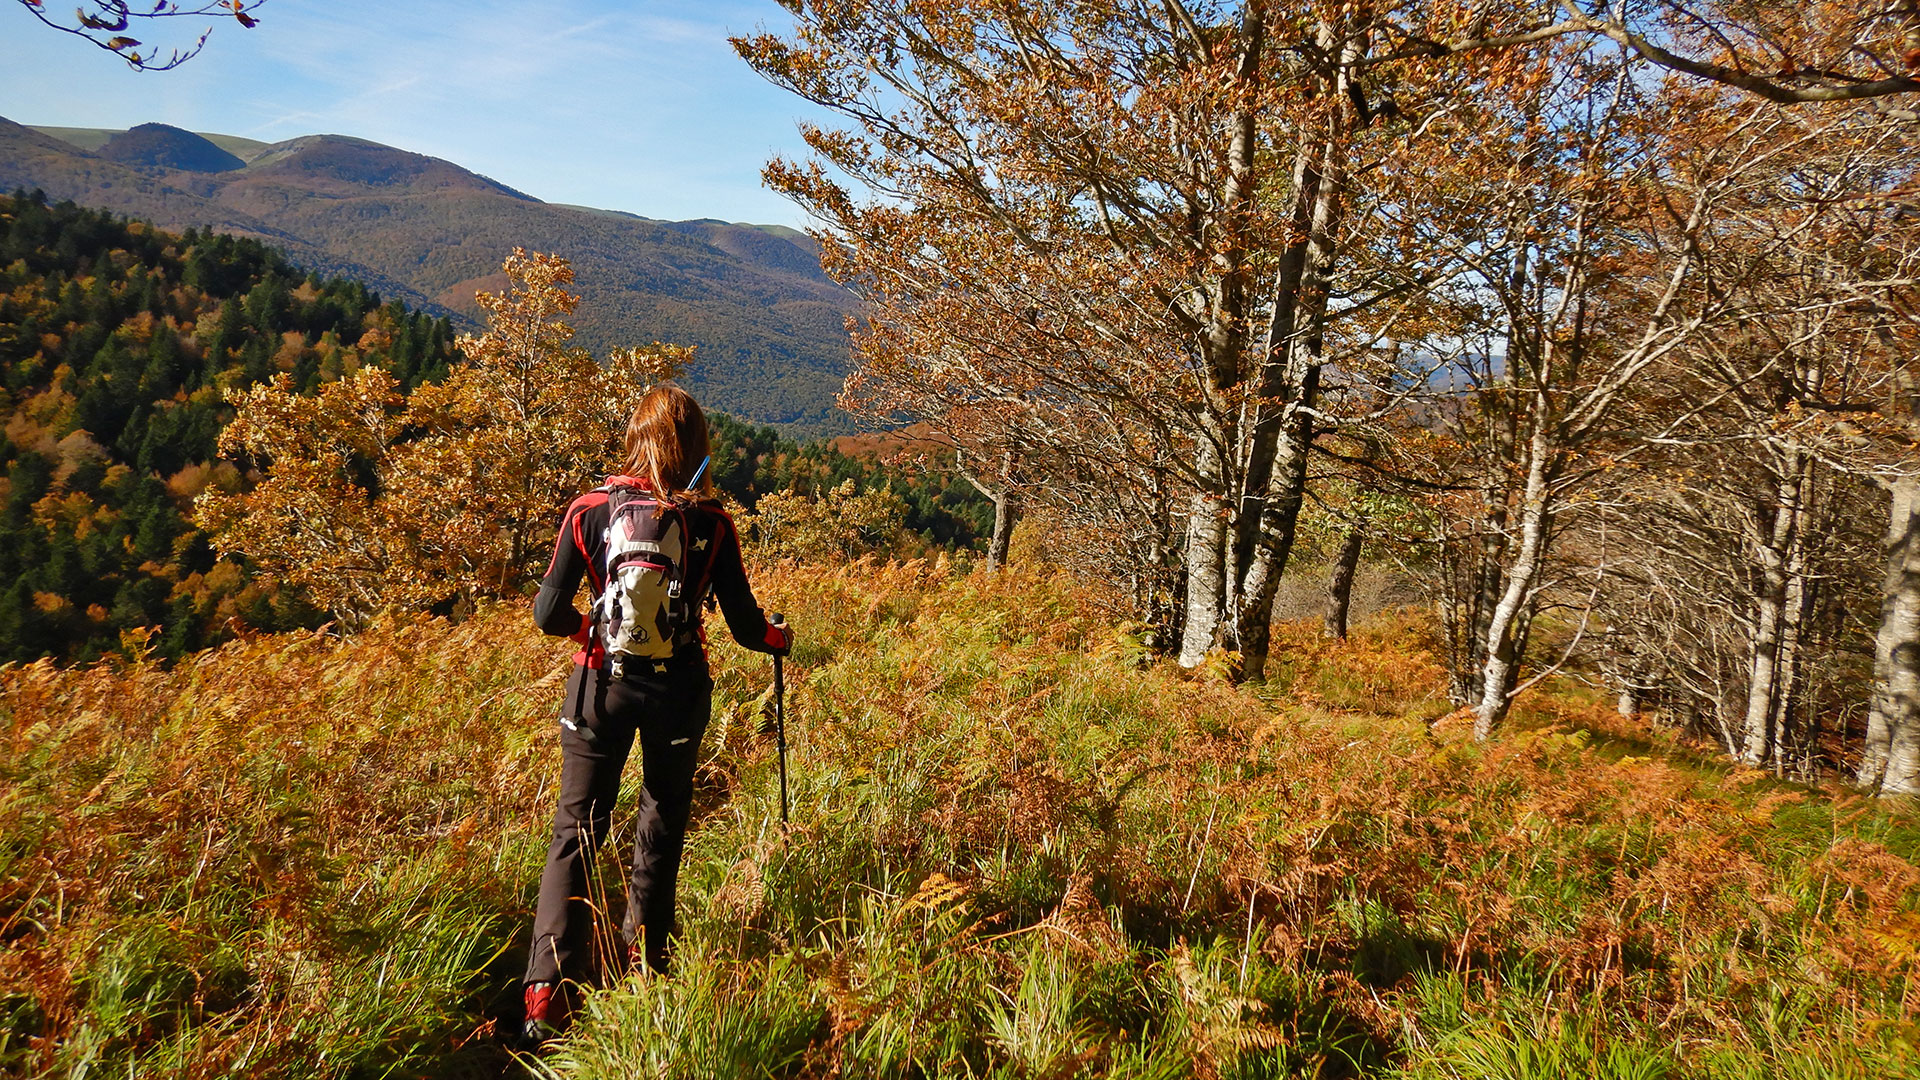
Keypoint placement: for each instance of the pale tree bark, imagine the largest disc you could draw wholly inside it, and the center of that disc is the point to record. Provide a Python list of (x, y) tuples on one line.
[(1787, 722), (1892, 762), (1771, 663), (1206, 578), (1224, 338), (1296, 341), (1507, 628), (1205, 558), (1283, 386), (1340, 581), (1006, 509), (1278, 521)]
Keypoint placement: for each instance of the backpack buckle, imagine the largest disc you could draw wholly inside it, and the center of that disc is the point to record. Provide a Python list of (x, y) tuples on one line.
[(616, 666)]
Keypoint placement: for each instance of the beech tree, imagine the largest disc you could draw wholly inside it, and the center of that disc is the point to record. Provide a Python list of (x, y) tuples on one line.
[(1111, 227), (1797, 252), (370, 499), (1118, 225), (1891, 762)]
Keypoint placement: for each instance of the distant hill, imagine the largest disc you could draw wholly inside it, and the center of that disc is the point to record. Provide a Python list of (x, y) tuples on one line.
[(92, 139), (158, 146), (31, 159), (770, 325)]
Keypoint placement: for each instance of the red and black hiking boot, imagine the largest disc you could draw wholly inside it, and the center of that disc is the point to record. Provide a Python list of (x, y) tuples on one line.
[(544, 1016)]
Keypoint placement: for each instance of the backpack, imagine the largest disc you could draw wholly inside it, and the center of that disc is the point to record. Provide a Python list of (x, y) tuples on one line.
[(641, 611)]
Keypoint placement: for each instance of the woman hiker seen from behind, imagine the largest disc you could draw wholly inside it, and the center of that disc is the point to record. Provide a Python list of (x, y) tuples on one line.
[(650, 545)]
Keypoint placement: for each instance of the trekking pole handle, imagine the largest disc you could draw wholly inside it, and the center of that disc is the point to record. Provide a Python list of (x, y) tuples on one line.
[(777, 619)]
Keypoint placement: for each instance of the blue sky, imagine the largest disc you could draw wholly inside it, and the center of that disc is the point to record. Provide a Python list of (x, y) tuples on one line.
[(637, 106)]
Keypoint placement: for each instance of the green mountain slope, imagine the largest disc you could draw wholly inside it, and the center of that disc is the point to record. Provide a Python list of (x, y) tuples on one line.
[(31, 159), (118, 344), (770, 325)]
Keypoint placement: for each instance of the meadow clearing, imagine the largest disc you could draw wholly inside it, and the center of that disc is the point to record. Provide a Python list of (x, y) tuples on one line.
[(1022, 846)]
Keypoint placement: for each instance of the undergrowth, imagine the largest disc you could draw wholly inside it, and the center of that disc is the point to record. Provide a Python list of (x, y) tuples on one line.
[(1022, 846)]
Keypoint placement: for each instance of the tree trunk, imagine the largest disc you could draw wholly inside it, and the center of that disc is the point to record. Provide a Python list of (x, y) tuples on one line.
[(1511, 617), (1787, 735), (1297, 335), (1280, 382), (1486, 578), (1340, 582), (1280, 516), (1756, 728), (1223, 342), (1892, 762), (1774, 550), (1205, 558), (1005, 514), (1802, 592)]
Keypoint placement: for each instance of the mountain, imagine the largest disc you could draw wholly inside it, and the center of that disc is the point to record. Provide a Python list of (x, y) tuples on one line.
[(770, 325), (119, 345), (158, 146), (32, 159)]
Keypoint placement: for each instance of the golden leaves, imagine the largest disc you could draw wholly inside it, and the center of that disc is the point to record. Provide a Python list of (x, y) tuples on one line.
[(836, 524), (373, 498)]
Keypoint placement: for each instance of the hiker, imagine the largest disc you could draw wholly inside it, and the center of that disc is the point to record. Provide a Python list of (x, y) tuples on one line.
[(652, 544)]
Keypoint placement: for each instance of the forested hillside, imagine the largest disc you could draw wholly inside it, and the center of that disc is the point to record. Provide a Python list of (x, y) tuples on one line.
[(119, 343), (937, 505), (769, 324)]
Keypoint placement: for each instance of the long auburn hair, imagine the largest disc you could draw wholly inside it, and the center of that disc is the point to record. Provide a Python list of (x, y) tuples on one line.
[(666, 442)]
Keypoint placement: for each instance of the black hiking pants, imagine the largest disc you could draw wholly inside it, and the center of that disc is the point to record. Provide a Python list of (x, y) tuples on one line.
[(666, 713)]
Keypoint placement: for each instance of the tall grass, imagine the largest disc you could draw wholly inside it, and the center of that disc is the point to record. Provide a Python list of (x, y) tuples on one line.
[(1021, 847), (290, 856)]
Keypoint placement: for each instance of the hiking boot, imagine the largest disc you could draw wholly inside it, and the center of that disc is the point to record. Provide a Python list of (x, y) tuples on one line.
[(543, 1016)]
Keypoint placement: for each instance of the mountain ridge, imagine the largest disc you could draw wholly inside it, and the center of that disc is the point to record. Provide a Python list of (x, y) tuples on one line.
[(770, 325)]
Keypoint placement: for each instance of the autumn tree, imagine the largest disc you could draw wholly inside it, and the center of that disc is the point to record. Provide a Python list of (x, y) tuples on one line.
[(370, 498), (1750, 516), (1109, 227), (837, 524), (1118, 226), (1890, 763)]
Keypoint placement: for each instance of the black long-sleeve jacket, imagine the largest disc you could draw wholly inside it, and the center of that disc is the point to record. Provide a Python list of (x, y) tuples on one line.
[(713, 564)]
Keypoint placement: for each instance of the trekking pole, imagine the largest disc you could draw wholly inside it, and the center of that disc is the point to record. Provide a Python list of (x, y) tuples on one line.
[(780, 715)]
